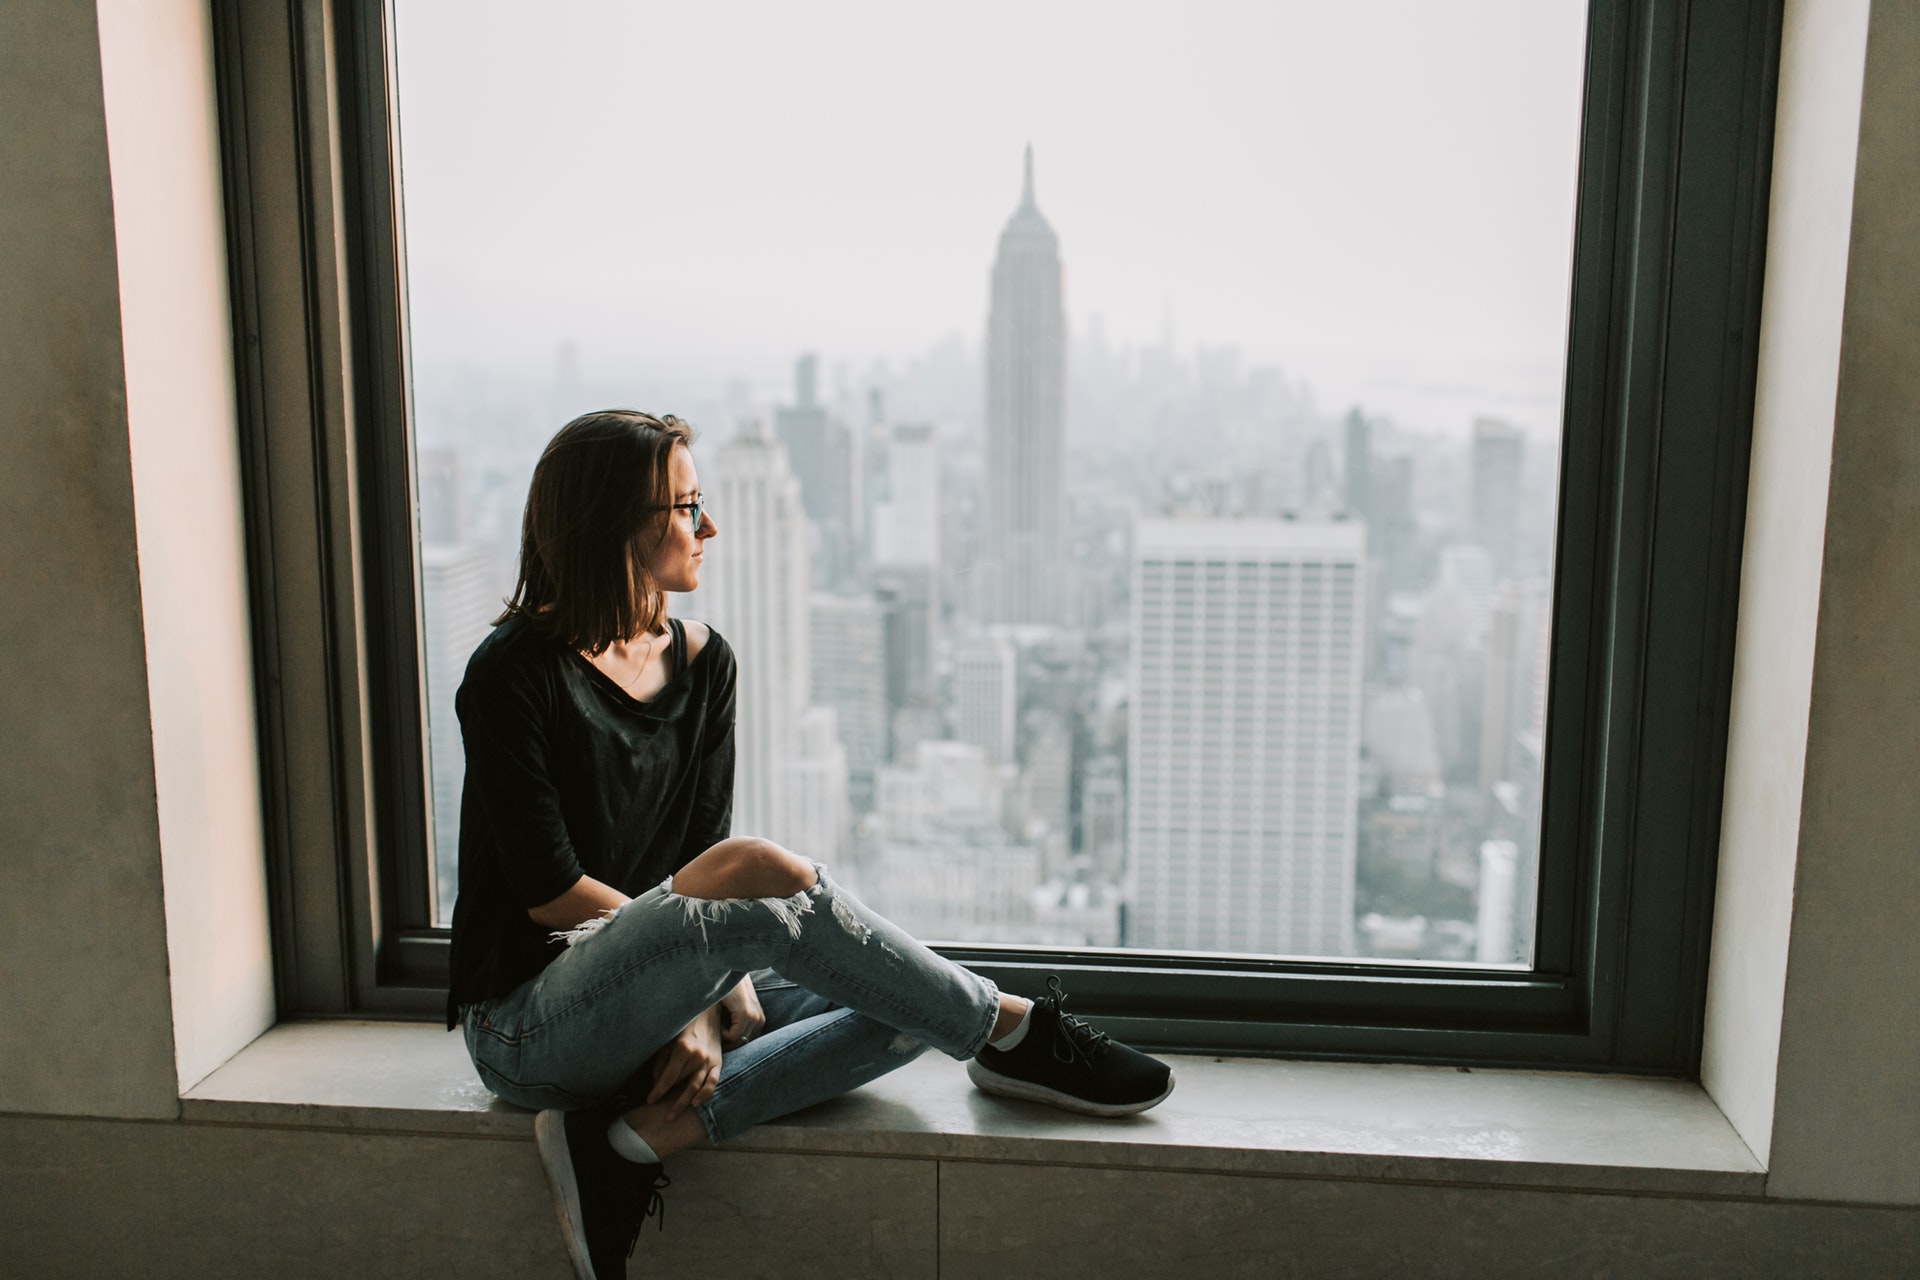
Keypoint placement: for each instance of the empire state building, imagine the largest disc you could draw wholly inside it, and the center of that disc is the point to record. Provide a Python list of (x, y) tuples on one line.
[(1026, 424)]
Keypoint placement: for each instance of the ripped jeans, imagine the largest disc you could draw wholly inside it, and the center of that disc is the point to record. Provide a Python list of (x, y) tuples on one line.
[(848, 997)]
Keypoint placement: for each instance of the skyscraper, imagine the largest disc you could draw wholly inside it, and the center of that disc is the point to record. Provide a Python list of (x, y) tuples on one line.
[(850, 675), (1359, 466), (1047, 762), (906, 563), (1026, 423), (1500, 687), (1497, 449), (906, 522), (458, 602), (1244, 734), (756, 594), (1103, 816), (984, 669), (813, 787), (459, 598), (820, 451)]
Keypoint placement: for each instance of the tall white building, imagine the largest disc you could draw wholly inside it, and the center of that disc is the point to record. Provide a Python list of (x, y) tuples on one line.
[(1244, 734), (1025, 562), (460, 595), (755, 591), (459, 600), (985, 667), (813, 788), (906, 523)]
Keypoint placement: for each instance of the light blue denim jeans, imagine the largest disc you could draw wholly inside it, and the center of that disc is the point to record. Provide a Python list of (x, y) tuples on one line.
[(848, 997)]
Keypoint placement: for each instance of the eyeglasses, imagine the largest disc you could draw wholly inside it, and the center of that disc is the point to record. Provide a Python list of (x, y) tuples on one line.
[(695, 510)]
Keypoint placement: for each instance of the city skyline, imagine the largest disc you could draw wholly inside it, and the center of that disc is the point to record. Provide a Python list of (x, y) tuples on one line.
[(1292, 710)]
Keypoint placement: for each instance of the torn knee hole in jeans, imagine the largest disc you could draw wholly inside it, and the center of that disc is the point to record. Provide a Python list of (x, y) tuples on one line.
[(706, 911), (788, 910), (843, 912)]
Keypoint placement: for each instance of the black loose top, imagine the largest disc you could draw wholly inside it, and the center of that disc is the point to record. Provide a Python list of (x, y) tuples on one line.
[(567, 775)]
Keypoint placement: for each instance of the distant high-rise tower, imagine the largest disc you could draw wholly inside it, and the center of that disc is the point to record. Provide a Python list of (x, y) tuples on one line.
[(460, 593), (1103, 816), (821, 453), (850, 676), (1244, 734), (1026, 423), (813, 787), (984, 698), (906, 524), (1497, 449), (1359, 468), (757, 595), (459, 597), (906, 562)]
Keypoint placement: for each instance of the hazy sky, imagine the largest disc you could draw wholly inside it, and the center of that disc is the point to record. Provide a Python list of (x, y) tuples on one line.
[(1372, 193)]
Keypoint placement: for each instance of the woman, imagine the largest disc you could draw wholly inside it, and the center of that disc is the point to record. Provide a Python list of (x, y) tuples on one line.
[(622, 964)]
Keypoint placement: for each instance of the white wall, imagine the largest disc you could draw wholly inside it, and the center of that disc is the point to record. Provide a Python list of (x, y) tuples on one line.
[(1822, 53), (1847, 1104), (1813, 1021), (163, 148)]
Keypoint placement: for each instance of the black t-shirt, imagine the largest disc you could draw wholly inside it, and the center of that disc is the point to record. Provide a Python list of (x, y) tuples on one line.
[(567, 775)]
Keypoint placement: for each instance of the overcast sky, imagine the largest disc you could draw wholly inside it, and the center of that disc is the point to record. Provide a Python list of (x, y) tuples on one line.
[(1372, 193)]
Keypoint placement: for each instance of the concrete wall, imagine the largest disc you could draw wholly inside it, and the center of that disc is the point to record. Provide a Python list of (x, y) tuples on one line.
[(310, 1203), (133, 897), (83, 943), (163, 147)]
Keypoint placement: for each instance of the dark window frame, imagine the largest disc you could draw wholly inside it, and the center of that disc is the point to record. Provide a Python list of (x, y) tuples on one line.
[(1676, 143)]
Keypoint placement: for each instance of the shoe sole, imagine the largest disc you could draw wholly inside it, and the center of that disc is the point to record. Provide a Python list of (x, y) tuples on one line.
[(550, 1136), (990, 1081)]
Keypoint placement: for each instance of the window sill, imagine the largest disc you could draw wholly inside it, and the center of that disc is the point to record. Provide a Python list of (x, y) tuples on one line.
[(1323, 1120)]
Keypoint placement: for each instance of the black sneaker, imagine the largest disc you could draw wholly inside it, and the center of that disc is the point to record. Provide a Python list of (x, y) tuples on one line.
[(1066, 1063), (603, 1198)]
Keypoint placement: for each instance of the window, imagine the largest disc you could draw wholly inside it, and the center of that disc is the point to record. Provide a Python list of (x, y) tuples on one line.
[(354, 591)]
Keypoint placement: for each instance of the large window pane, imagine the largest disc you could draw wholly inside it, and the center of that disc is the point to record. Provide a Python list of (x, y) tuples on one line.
[(1176, 497)]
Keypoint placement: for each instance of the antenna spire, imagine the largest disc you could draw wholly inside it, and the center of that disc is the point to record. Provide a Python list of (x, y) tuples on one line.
[(1026, 191)]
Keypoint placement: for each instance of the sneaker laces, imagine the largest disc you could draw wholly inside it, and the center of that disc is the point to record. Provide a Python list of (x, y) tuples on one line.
[(656, 1208), (1073, 1040)]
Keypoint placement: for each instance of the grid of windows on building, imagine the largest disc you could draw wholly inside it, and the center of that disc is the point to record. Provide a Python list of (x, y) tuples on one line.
[(1048, 639)]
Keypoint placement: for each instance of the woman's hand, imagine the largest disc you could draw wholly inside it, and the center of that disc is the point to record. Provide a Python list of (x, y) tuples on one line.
[(741, 1018), (688, 1063)]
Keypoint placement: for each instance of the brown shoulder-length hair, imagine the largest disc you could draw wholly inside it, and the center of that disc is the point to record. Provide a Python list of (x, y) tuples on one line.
[(596, 509)]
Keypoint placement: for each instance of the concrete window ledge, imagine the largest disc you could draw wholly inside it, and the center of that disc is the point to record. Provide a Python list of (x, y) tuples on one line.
[(1318, 1120), (331, 1149)]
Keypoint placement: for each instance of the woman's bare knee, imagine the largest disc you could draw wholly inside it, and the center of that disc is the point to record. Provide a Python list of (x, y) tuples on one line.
[(744, 867)]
